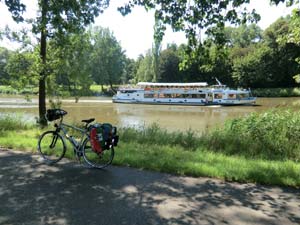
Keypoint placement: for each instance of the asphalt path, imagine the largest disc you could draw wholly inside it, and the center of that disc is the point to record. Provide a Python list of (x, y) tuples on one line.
[(68, 193)]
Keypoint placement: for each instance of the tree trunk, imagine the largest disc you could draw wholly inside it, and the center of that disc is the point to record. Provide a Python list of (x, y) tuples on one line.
[(112, 88), (42, 81)]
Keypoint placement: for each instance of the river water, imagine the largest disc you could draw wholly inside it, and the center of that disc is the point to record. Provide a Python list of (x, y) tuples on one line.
[(199, 118)]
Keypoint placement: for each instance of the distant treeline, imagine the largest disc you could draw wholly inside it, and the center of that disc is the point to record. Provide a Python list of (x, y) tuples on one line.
[(249, 57)]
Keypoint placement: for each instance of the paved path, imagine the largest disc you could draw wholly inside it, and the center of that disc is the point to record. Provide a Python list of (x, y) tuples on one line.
[(33, 193)]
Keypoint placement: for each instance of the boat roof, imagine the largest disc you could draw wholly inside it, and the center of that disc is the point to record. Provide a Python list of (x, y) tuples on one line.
[(199, 84)]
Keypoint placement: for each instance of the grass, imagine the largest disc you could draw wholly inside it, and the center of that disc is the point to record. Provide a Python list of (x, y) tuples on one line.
[(209, 164), (186, 153), (7, 89), (272, 135), (30, 90)]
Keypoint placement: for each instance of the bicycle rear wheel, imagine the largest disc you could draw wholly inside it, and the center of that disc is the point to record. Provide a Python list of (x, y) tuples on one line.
[(97, 160), (51, 146)]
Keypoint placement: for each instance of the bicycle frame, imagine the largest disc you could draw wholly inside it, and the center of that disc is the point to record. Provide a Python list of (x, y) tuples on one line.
[(77, 145)]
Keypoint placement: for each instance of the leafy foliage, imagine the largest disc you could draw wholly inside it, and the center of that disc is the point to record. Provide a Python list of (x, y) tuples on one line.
[(23, 69), (294, 37), (270, 135), (243, 36), (107, 57), (4, 56), (169, 65), (145, 70), (193, 16), (16, 8), (70, 67)]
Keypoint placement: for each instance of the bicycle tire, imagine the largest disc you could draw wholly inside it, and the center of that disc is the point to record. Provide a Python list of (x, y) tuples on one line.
[(51, 146), (96, 160)]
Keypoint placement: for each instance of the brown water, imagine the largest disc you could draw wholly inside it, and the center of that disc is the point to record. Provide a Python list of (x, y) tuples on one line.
[(172, 118)]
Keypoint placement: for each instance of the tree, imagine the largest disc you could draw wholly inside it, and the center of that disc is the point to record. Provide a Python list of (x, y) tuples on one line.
[(21, 67), (4, 56), (293, 37), (54, 21), (16, 8), (252, 70), (108, 58), (70, 65), (169, 65), (130, 69), (283, 65), (268, 63), (156, 49), (145, 70), (194, 15), (243, 36)]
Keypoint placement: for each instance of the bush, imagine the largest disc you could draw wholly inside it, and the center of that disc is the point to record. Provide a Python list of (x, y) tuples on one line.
[(274, 134), (14, 122), (276, 92), (156, 135)]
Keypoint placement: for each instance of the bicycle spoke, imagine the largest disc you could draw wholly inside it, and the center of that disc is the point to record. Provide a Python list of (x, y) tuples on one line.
[(51, 147), (95, 159)]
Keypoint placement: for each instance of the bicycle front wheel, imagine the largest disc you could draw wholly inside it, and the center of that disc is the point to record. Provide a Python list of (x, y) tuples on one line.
[(95, 159), (51, 146)]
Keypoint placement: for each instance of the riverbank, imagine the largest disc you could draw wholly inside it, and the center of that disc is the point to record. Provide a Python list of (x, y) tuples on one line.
[(276, 92), (261, 148), (98, 90), (28, 92)]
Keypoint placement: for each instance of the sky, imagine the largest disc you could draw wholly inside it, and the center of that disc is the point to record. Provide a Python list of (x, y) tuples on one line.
[(135, 31)]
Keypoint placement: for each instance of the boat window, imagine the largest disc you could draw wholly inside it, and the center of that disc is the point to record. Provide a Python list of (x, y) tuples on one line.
[(244, 95), (194, 95), (218, 96), (128, 91), (178, 96), (148, 95), (231, 96)]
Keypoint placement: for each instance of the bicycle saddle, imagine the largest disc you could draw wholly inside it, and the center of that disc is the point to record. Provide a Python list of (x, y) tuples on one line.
[(88, 120)]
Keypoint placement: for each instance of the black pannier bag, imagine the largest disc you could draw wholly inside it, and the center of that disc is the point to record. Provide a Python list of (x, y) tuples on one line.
[(106, 135), (54, 114)]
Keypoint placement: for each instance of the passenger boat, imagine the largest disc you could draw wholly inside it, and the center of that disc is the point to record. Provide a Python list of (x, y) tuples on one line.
[(183, 94)]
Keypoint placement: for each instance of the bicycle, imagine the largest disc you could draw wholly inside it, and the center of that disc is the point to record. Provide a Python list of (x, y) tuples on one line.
[(52, 144)]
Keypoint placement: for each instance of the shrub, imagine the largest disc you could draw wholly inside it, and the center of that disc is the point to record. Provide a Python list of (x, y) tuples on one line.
[(274, 134), (156, 135), (14, 122)]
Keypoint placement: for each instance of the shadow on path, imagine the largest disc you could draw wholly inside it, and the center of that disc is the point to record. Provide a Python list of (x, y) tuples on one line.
[(68, 193)]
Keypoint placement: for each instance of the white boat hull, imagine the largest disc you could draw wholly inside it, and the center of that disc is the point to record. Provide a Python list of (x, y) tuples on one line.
[(183, 94), (249, 101)]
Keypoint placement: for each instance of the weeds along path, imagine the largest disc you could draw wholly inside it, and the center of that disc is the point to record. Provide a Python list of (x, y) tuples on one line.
[(68, 193)]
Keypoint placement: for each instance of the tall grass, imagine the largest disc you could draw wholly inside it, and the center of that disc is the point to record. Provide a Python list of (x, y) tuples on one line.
[(155, 135), (9, 122), (274, 135)]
